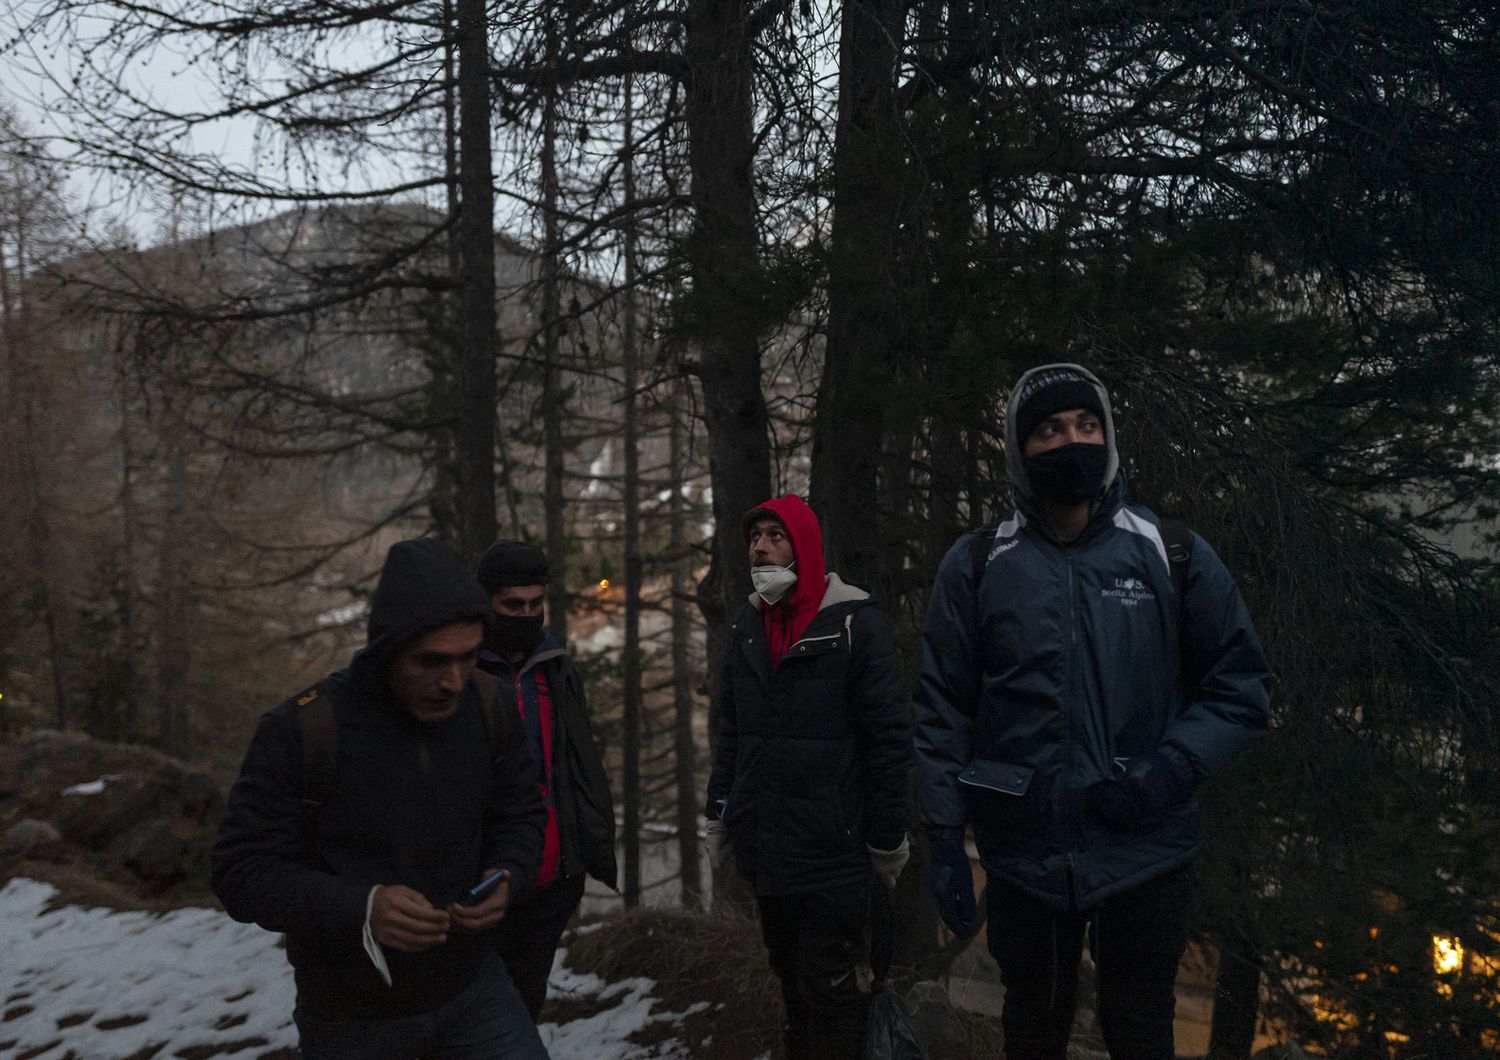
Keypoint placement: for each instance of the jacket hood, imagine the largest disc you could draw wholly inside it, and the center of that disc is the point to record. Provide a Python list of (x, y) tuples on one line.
[(423, 585), (1015, 460), (787, 621), (807, 546)]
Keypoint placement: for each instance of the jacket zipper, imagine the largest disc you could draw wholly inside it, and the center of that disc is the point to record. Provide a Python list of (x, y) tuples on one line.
[(1074, 817)]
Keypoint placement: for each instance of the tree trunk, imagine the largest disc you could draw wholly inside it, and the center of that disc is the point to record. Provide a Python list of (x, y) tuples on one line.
[(558, 597), (864, 316), (632, 499), (727, 320), (21, 366), (474, 376), (688, 796), (174, 605), (129, 532), (1236, 1006)]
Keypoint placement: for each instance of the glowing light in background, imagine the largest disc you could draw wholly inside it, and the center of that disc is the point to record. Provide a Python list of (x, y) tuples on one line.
[(1447, 955)]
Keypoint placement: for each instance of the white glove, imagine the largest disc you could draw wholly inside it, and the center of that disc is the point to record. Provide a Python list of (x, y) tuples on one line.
[(889, 863), (719, 848)]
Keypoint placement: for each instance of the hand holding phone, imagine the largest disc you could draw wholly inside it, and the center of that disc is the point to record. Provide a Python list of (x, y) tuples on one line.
[(484, 888), (482, 906)]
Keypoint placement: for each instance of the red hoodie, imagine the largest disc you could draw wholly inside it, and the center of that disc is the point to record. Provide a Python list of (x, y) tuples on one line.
[(787, 621)]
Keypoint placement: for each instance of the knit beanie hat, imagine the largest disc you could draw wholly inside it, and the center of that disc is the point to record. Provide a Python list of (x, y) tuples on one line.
[(1051, 391), (507, 563)]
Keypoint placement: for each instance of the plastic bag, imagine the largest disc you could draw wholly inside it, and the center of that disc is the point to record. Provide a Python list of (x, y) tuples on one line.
[(891, 1034)]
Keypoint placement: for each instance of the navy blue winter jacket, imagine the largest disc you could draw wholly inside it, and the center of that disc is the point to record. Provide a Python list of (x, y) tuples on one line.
[(1052, 669)]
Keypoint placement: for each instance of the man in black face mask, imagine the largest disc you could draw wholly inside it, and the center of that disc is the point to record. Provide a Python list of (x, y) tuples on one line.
[(1069, 707), (547, 691)]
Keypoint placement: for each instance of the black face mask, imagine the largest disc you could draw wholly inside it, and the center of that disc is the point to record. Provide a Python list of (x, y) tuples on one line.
[(514, 634), (1069, 474)]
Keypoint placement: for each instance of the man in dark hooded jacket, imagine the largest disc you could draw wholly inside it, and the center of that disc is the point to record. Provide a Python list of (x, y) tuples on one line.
[(809, 781), (544, 688), (367, 861), (1069, 707)]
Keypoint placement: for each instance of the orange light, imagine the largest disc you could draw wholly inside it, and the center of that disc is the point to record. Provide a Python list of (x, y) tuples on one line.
[(1374, 932), (1317, 944), (1447, 955), (603, 583)]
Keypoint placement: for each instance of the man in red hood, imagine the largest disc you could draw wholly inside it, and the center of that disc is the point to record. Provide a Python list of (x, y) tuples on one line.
[(809, 783)]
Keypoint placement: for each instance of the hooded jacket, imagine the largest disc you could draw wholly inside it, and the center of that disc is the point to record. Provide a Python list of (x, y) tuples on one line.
[(1046, 667), (814, 754), (420, 804)]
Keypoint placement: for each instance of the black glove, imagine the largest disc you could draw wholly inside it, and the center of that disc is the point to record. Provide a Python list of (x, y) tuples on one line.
[(950, 882), (1151, 783)]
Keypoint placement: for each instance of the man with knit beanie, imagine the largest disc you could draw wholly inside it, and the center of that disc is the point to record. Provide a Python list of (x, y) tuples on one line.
[(809, 783), (385, 819), (1085, 668), (543, 687)]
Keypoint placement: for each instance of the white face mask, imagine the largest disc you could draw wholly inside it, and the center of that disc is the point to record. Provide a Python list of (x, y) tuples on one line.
[(772, 583)]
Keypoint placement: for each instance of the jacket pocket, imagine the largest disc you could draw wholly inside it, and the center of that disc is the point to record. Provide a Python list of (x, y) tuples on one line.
[(813, 829), (1003, 796)]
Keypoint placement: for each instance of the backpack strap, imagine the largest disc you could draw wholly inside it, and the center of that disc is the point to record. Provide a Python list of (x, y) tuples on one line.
[(1178, 540), (319, 727), (979, 558), (495, 728)]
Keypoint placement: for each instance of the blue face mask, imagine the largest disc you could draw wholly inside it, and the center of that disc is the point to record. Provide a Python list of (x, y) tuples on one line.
[(1069, 474)]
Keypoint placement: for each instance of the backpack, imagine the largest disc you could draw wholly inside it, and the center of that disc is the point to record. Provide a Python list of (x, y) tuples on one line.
[(320, 759)]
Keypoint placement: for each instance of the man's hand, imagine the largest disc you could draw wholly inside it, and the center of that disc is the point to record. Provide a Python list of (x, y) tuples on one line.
[(1148, 785), (403, 920), (889, 863), (485, 914), (950, 882)]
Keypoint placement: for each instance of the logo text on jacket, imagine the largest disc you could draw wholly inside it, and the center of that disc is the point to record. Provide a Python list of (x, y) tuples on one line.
[(1129, 592)]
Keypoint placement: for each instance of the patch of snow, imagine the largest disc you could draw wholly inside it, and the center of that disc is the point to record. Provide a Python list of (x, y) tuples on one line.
[(128, 982), (601, 640), (606, 1034), (344, 616), (92, 787), (190, 977), (599, 467)]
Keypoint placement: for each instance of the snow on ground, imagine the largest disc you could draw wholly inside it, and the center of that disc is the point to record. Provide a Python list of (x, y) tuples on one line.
[(108, 984), (606, 1034)]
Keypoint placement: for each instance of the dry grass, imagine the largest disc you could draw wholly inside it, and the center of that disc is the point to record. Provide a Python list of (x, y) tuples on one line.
[(693, 957)]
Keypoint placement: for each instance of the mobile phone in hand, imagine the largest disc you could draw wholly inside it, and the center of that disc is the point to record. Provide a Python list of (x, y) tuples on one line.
[(483, 889)]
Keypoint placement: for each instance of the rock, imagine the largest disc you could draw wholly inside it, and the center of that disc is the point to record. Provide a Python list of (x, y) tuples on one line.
[(126, 814), (152, 851), (31, 838)]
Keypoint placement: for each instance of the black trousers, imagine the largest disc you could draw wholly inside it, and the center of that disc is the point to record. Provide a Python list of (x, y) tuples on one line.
[(527, 938), (1137, 940), (815, 941)]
